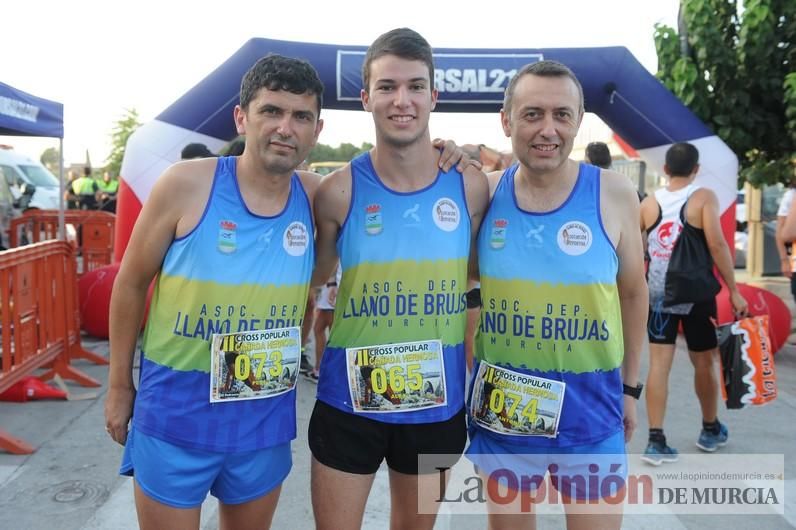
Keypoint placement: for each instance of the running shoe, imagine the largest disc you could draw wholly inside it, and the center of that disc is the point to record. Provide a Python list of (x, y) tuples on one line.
[(305, 366), (657, 453), (311, 376), (709, 442)]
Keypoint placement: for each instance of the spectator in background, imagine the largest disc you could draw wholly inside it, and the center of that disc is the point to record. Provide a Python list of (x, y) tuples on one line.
[(195, 150), (86, 190), (71, 198), (597, 154), (108, 187)]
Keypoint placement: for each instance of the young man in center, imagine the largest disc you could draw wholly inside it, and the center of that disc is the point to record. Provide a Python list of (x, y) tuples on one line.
[(392, 381)]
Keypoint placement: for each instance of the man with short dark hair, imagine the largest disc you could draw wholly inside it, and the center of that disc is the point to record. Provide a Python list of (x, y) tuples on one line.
[(231, 242), (562, 326), (195, 150), (661, 216), (402, 224), (597, 154)]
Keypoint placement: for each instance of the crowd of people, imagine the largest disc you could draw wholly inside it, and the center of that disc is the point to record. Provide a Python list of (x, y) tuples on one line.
[(395, 241), (85, 192)]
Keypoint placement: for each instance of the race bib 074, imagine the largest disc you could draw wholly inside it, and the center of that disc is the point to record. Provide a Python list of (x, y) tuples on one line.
[(509, 402), (396, 377), (254, 364)]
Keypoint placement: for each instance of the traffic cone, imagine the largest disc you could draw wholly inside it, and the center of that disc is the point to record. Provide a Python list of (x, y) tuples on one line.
[(31, 388)]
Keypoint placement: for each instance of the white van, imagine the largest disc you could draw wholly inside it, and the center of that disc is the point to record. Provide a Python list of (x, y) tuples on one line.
[(18, 170)]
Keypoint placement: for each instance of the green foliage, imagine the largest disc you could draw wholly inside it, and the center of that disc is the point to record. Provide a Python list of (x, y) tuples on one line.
[(51, 159), (343, 153), (736, 72), (122, 130)]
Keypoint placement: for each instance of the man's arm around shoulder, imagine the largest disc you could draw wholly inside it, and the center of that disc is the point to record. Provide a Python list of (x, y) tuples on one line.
[(476, 189)]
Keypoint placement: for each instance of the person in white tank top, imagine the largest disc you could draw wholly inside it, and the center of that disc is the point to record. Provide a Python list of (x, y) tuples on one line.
[(660, 220)]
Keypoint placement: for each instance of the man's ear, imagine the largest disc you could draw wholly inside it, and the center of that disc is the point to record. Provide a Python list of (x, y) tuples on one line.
[(365, 97)]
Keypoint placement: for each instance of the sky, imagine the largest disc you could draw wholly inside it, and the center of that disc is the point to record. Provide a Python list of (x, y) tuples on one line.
[(100, 58)]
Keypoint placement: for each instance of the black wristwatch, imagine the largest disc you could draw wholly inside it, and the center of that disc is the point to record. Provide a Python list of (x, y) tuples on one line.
[(632, 391)]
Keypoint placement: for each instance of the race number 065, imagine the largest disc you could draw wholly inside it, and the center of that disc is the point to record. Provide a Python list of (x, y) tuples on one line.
[(396, 378)]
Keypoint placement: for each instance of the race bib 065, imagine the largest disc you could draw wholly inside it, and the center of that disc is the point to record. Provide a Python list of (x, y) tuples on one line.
[(396, 377)]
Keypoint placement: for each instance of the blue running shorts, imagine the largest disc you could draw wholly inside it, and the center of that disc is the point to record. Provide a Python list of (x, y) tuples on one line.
[(180, 477), (581, 472)]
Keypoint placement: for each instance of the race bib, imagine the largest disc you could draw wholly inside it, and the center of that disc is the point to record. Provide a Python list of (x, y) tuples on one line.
[(254, 364), (508, 402), (396, 377)]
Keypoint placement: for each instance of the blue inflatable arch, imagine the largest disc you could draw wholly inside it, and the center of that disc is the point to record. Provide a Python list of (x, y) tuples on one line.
[(616, 87)]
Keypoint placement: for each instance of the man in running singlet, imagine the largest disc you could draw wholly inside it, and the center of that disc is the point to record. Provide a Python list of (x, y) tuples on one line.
[(393, 375), (562, 324), (231, 242)]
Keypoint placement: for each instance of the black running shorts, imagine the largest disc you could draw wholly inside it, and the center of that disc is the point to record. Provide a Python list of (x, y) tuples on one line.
[(698, 328), (355, 444)]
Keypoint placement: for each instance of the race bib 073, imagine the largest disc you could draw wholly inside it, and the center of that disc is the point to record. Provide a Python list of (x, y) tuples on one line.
[(254, 364)]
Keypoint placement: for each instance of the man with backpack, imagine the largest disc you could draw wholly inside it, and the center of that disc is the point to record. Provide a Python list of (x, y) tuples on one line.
[(663, 222)]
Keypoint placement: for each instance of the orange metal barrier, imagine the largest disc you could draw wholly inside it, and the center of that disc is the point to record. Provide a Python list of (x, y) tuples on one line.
[(38, 319), (94, 234)]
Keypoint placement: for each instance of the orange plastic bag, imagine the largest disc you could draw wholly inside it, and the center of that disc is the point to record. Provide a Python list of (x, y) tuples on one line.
[(747, 362)]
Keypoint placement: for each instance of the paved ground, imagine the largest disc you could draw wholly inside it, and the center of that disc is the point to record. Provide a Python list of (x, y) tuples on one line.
[(70, 483)]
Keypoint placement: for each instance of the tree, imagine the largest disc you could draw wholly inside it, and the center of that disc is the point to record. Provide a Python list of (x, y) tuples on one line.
[(737, 73), (122, 130), (343, 153), (51, 159)]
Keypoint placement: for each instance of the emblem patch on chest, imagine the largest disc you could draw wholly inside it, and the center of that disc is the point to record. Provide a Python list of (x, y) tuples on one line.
[(373, 222), (296, 239), (227, 242), (574, 238), (497, 238), (446, 214)]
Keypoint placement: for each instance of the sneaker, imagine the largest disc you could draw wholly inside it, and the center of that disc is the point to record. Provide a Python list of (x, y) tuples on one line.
[(709, 442), (656, 454), (311, 376), (305, 366)]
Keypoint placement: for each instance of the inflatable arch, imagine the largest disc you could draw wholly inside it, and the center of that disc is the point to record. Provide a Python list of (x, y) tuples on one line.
[(616, 87)]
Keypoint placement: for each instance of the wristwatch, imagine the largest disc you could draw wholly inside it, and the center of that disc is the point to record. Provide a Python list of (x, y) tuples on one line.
[(632, 391)]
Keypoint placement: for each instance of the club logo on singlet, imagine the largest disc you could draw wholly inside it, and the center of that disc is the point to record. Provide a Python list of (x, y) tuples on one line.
[(497, 238), (373, 223), (446, 214), (226, 237), (574, 238), (296, 239)]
